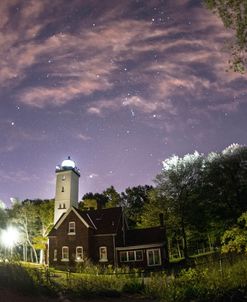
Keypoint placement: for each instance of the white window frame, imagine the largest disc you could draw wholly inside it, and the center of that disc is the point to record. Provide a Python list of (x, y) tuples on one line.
[(55, 255), (153, 251), (64, 253), (71, 228), (104, 258), (77, 253), (127, 256)]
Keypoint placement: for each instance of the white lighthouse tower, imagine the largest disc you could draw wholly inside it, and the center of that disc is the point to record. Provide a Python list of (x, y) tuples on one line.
[(67, 184)]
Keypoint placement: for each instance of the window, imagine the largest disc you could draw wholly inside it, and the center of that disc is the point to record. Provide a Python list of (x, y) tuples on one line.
[(103, 254), (64, 207), (71, 228), (153, 257), (131, 256), (62, 189), (123, 256), (65, 253), (139, 255), (55, 255), (63, 178), (79, 253)]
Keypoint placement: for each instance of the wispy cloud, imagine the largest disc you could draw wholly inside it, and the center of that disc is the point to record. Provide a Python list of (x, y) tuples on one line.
[(17, 176), (174, 58), (83, 137)]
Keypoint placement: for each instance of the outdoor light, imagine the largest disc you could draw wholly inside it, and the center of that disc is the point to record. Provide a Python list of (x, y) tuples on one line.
[(9, 237)]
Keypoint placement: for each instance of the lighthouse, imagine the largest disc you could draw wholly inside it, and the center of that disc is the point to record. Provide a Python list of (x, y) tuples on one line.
[(67, 187)]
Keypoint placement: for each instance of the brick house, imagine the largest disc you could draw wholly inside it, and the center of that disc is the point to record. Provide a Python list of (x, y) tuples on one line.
[(101, 235)]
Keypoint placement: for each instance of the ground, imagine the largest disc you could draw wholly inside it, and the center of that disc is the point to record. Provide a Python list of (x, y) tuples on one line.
[(9, 296)]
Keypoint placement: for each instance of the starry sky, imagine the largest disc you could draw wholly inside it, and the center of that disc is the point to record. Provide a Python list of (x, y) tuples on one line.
[(117, 85)]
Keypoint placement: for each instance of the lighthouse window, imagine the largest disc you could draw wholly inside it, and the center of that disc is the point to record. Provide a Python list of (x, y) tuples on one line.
[(62, 189), (63, 177)]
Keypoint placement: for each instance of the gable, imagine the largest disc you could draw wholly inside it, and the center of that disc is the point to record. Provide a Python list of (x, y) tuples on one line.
[(64, 218)]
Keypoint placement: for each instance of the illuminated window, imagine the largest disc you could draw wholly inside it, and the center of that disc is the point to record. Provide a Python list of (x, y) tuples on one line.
[(65, 253), (71, 228), (55, 255), (79, 253), (103, 254), (153, 257)]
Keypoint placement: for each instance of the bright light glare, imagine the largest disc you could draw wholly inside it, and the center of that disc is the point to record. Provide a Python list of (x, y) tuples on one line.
[(9, 237)]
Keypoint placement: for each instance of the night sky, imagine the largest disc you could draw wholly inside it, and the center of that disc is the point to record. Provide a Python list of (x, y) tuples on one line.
[(119, 85)]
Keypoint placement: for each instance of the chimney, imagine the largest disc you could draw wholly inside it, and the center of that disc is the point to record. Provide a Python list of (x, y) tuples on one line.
[(161, 216)]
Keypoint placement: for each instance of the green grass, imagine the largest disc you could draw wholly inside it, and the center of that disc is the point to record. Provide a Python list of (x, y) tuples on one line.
[(222, 280)]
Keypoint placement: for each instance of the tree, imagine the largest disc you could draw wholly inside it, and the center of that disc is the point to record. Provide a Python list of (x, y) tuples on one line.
[(235, 239), (34, 219), (233, 13), (226, 186), (113, 197), (179, 186), (3, 215), (133, 201), (93, 200), (24, 216), (45, 213)]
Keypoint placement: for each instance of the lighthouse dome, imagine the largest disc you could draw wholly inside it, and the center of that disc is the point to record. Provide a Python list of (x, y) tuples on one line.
[(68, 163)]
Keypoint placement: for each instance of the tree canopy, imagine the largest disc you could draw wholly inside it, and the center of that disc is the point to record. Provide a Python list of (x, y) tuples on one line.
[(233, 14)]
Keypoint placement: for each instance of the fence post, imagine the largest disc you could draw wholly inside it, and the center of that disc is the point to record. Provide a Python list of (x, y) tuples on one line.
[(68, 277), (221, 270)]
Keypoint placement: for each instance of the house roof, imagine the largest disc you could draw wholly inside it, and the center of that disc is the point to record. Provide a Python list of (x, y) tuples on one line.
[(145, 236), (105, 221)]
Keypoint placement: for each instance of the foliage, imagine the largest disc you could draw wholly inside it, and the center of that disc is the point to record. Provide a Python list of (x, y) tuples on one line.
[(178, 188), (226, 185), (235, 239), (213, 282), (200, 196), (233, 13), (3, 215), (218, 281), (133, 201), (93, 200), (34, 219), (113, 197)]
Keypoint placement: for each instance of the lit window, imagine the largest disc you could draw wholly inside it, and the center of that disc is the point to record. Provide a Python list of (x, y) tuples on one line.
[(55, 255), (131, 256), (71, 228), (79, 253), (103, 254), (153, 257), (65, 253)]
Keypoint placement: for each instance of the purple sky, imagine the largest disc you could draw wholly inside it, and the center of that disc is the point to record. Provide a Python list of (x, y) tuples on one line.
[(117, 85)]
